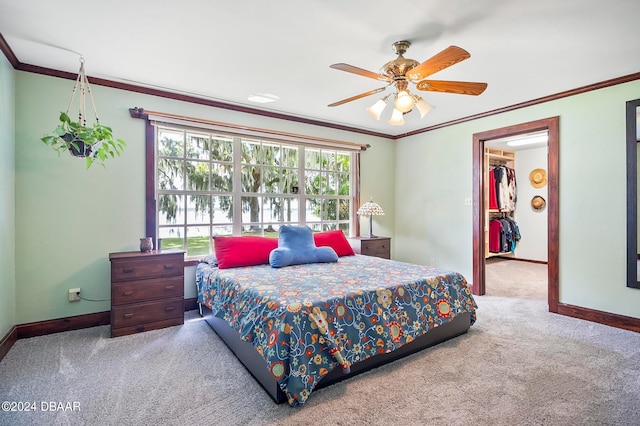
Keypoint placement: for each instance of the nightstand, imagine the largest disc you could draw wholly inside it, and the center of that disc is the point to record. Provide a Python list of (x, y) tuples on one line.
[(374, 246), (147, 291)]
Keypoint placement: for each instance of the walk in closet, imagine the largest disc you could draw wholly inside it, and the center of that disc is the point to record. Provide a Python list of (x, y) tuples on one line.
[(500, 198)]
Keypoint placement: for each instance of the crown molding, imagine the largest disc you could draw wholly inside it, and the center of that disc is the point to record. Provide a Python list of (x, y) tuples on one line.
[(17, 65)]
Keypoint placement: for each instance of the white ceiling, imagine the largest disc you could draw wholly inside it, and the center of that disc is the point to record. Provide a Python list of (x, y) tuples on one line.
[(228, 50)]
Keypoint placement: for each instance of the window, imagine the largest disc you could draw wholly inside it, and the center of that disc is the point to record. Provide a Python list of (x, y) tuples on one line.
[(209, 183)]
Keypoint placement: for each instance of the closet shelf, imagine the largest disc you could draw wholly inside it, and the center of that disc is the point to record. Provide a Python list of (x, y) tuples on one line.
[(500, 154)]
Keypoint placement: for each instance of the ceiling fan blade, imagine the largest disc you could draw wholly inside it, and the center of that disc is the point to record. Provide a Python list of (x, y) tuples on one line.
[(459, 87), (449, 56), (360, 71), (361, 95)]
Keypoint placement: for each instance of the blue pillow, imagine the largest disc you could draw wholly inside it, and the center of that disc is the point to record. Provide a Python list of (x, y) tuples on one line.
[(296, 246)]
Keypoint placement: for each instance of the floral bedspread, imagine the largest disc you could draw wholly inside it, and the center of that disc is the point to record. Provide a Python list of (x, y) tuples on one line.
[(306, 320)]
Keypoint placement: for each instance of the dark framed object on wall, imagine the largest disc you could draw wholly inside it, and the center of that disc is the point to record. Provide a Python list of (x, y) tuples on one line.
[(632, 193)]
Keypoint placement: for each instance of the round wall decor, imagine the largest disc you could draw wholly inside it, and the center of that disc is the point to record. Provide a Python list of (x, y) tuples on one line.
[(538, 203), (538, 178)]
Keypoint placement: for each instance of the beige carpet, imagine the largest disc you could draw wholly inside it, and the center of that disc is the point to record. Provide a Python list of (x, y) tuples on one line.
[(518, 365), (513, 278)]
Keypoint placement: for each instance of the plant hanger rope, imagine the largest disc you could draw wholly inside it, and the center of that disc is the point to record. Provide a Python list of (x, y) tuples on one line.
[(94, 142), (83, 83)]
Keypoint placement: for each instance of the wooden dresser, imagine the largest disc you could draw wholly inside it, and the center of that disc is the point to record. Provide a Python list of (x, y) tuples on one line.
[(375, 246), (147, 291)]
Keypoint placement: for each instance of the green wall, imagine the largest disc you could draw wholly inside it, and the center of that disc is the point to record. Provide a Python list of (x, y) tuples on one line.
[(433, 222), (69, 219), (7, 198)]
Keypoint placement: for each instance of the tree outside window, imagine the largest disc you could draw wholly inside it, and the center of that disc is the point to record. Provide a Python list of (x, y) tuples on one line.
[(209, 184)]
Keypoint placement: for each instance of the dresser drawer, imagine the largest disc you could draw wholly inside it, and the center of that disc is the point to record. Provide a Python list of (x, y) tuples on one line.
[(141, 313), (143, 268), (147, 290), (139, 328), (378, 248)]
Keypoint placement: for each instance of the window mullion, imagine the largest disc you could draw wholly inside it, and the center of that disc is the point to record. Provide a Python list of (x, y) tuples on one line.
[(302, 210), (353, 193), (237, 186), (185, 195)]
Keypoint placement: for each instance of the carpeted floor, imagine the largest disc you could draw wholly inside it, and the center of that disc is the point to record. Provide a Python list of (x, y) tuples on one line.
[(514, 278), (518, 365)]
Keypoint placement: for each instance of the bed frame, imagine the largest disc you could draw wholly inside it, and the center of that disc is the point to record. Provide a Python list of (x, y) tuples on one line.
[(256, 365)]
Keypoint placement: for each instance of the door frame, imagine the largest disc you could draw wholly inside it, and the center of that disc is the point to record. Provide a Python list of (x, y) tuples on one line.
[(479, 265)]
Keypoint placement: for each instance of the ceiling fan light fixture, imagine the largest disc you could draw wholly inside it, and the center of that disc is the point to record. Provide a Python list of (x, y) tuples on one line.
[(404, 101), (402, 71), (376, 109), (397, 118), (423, 106)]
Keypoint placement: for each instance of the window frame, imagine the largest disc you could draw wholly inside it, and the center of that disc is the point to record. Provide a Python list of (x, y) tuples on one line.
[(151, 216)]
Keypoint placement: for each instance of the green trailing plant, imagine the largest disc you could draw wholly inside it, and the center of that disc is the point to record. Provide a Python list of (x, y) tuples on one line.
[(95, 143)]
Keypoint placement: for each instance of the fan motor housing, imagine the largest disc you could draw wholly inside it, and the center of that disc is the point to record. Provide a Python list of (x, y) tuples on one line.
[(398, 67)]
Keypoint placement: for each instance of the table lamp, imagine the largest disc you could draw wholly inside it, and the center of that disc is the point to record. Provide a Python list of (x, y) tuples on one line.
[(370, 209)]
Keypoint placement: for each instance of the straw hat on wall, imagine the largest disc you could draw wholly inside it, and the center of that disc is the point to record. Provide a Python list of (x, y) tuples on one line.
[(538, 178), (538, 203)]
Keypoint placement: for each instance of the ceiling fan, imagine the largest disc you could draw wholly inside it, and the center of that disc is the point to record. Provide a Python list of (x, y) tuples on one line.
[(402, 71)]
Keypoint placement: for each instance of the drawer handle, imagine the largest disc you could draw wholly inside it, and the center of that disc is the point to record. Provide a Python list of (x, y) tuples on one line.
[(169, 287), (127, 270), (127, 293), (168, 266), (128, 315), (169, 308)]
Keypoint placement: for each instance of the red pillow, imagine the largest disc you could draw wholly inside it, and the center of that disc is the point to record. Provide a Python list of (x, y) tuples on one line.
[(336, 240), (232, 252)]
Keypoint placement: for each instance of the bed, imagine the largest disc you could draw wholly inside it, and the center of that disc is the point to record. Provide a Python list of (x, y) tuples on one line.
[(304, 327)]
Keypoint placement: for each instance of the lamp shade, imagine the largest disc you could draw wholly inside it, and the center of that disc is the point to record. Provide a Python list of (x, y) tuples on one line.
[(396, 118), (376, 109), (370, 209), (423, 107)]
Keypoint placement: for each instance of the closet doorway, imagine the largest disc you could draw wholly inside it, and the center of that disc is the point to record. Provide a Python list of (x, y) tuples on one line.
[(480, 173)]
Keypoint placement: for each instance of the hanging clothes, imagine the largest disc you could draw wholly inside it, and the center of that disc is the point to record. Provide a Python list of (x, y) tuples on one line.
[(502, 188), (511, 188), (504, 234), (493, 201), (498, 173), (495, 235)]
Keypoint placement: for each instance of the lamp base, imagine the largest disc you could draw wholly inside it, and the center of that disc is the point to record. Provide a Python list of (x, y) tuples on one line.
[(370, 228)]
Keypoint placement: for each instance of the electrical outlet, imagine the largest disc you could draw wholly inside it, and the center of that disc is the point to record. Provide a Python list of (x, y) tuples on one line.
[(432, 262), (74, 295)]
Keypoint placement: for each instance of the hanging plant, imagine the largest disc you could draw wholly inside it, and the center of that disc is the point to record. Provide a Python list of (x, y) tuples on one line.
[(93, 142)]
